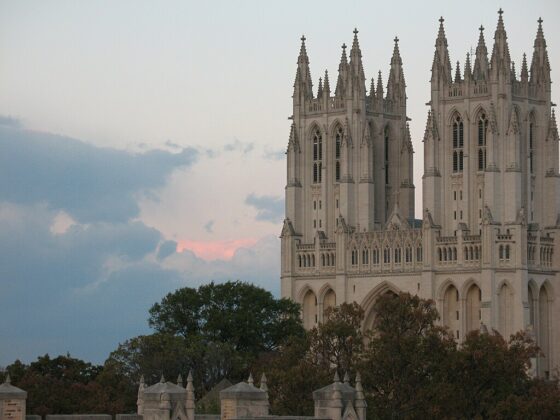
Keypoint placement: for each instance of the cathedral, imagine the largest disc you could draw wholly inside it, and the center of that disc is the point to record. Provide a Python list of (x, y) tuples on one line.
[(484, 250)]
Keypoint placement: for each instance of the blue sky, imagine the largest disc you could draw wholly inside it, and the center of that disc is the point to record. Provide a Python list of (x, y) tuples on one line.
[(141, 144)]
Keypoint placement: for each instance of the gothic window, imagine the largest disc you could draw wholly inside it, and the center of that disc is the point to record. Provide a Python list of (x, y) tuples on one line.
[(376, 256), (397, 255), (482, 131), (338, 145), (365, 256), (419, 254), (354, 257), (386, 256), (386, 139), (317, 156), (458, 142), (531, 147)]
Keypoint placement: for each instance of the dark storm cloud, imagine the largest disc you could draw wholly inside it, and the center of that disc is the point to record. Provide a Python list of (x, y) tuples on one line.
[(90, 183)]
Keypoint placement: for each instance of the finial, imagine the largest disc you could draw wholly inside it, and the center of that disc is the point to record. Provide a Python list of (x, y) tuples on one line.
[(441, 20), (303, 39), (344, 46), (263, 385), (250, 380), (180, 380), (346, 378), (540, 21), (8, 380), (500, 12), (162, 379), (481, 29), (336, 378), (396, 39), (356, 31)]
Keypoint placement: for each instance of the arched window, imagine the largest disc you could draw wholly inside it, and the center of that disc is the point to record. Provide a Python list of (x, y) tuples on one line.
[(317, 156), (386, 255), (473, 308), (505, 305), (531, 147), (482, 130), (451, 310), (543, 336), (386, 144), (329, 301), (419, 254), (365, 256), (458, 142), (337, 147), (309, 309)]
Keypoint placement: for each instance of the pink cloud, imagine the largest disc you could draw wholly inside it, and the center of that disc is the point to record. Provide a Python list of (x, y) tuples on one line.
[(212, 250)]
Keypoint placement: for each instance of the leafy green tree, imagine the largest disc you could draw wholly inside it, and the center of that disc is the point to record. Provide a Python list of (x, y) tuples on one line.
[(245, 316), (406, 364)]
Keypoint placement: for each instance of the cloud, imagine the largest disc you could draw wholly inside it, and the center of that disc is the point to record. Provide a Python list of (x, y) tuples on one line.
[(209, 227), (269, 208), (239, 146), (279, 154), (90, 183), (8, 121), (166, 249)]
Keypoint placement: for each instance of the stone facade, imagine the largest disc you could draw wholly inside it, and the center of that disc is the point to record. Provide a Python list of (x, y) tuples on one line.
[(485, 248), (12, 401)]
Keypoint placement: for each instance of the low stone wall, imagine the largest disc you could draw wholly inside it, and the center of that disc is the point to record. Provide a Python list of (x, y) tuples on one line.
[(78, 417), (207, 417), (128, 417), (33, 417)]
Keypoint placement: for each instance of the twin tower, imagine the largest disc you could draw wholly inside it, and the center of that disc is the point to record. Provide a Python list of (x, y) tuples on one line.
[(484, 250)]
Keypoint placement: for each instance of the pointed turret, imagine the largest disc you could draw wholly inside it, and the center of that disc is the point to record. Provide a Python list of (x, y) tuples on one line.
[(468, 72), (356, 65), (303, 86), (326, 85), (379, 90), (372, 88), (500, 63), (441, 66), (263, 384), (540, 65), (396, 84), (458, 73), (320, 89), (340, 89), (524, 70), (480, 70)]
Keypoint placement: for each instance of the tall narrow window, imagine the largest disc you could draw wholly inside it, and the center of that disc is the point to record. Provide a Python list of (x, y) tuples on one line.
[(386, 138), (337, 147), (317, 156), (482, 130), (531, 147), (458, 142)]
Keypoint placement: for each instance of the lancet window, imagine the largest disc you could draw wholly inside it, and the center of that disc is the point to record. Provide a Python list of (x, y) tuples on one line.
[(337, 149), (317, 156), (482, 131), (458, 143)]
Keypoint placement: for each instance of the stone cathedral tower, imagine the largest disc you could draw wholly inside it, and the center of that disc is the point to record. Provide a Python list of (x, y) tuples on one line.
[(485, 249)]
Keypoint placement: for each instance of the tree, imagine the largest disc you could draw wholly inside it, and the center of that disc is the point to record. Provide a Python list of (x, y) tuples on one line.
[(338, 341), (245, 316), (405, 366)]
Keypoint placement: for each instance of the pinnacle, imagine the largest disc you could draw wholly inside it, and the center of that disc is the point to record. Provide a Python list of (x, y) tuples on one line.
[(8, 380), (162, 379), (326, 85), (372, 88), (513, 75), (346, 378), (458, 73), (263, 384), (336, 378), (396, 53), (343, 59), (250, 380), (180, 380), (379, 89), (189, 377)]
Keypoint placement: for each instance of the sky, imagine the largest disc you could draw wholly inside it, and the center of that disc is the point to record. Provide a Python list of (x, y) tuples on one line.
[(142, 144)]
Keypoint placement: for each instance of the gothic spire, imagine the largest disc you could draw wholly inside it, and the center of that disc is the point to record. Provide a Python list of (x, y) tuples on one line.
[(480, 70), (524, 70), (513, 73), (326, 85), (553, 128), (303, 84), (396, 84), (441, 67), (500, 63), (342, 73), (320, 89), (372, 88), (458, 73), (379, 90), (468, 72), (357, 67), (540, 66)]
